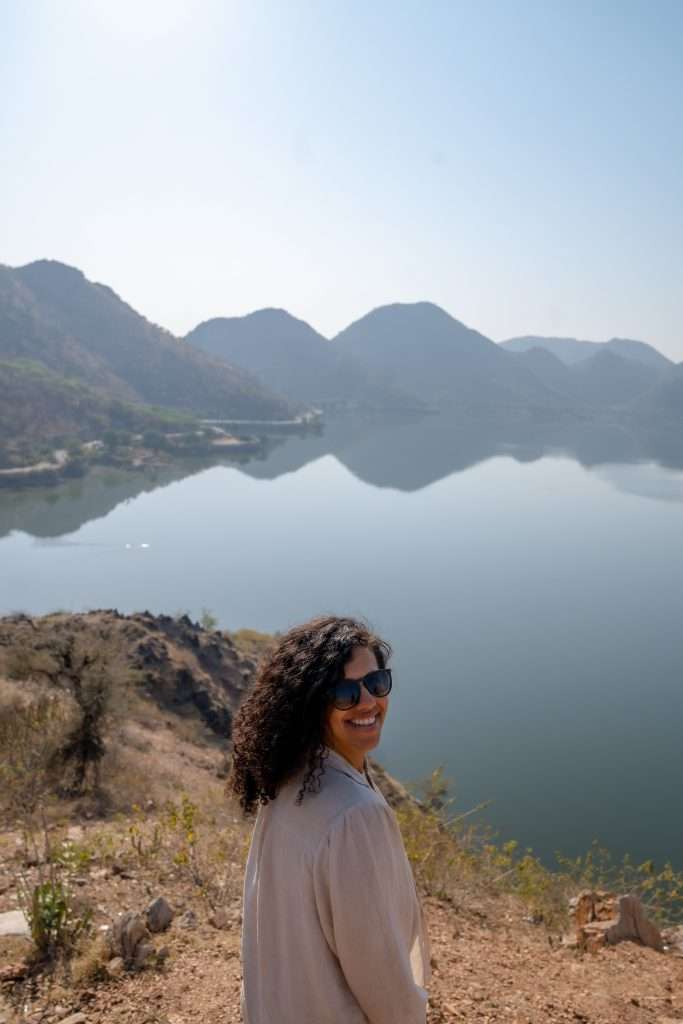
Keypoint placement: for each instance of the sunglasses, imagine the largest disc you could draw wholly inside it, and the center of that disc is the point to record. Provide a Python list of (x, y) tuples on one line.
[(346, 693)]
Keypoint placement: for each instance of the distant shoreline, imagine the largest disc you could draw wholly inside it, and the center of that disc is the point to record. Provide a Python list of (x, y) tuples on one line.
[(214, 438)]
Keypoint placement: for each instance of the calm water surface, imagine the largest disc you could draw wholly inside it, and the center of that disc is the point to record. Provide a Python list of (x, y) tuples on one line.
[(535, 605)]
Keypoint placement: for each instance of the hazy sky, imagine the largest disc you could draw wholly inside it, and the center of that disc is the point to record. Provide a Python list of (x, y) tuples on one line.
[(519, 163)]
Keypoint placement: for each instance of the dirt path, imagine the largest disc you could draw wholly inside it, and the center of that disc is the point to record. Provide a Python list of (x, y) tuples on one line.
[(60, 458)]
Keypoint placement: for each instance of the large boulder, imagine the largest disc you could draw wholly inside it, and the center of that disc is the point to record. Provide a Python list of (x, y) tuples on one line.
[(130, 939)]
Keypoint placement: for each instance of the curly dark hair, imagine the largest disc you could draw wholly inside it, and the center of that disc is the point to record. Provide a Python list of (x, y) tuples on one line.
[(280, 726)]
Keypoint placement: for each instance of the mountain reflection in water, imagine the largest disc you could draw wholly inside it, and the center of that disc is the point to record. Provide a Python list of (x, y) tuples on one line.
[(404, 453)]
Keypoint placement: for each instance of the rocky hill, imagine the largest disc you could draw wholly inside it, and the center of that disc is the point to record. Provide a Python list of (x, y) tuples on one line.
[(51, 314), (197, 674), (176, 664)]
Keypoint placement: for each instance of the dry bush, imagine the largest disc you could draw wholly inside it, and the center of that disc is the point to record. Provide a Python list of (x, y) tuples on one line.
[(22, 662), (251, 643), (33, 728), (206, 845), (89, 963), (461, 861), (91, 667), (457, 858)]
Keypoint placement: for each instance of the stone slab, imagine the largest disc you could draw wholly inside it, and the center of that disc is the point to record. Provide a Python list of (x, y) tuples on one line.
[(14, 923)]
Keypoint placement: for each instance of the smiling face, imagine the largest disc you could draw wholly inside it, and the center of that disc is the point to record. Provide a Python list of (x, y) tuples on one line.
[(351, 740)]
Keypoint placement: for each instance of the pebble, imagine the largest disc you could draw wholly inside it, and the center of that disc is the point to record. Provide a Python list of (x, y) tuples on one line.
[(115, 967)]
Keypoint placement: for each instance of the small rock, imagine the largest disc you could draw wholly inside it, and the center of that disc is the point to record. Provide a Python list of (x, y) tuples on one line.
[(14, 972), (75, 1018), (219, 918), (188, 920), (121, 870), (159, 914), (163, 954), (115, 967)]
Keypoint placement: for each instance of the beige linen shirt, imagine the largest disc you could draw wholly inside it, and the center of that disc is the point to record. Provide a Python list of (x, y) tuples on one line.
[(333, 929)]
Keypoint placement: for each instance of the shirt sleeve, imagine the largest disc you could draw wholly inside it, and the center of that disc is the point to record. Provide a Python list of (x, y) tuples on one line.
[(368, 908)]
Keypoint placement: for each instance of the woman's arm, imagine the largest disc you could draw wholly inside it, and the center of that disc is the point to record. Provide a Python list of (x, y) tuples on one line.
[(369, 913)]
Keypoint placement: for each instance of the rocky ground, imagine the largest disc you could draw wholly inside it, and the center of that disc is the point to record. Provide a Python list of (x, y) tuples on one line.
[(490, 962)]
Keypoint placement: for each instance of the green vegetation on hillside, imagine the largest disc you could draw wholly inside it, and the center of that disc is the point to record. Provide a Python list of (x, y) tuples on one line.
[(452, 853), (40, 410)]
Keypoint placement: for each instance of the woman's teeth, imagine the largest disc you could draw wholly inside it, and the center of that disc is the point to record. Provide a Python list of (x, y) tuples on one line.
[(363, 722)]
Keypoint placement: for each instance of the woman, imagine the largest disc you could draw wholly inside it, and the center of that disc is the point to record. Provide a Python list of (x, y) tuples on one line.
[(333, 930)]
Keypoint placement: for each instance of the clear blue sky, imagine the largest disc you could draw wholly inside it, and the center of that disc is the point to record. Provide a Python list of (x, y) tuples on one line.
[(519, 163)]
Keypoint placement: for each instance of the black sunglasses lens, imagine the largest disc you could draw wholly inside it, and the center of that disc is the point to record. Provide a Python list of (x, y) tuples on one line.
[(346, 693), (378, 683)]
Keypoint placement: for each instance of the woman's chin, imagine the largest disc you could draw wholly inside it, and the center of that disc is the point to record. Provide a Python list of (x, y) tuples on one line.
[(366, 740)]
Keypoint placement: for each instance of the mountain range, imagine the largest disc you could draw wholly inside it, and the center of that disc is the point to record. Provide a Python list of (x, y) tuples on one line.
[(51, 315), (571, 350), (59, 328), (290, 357), (419, 350)]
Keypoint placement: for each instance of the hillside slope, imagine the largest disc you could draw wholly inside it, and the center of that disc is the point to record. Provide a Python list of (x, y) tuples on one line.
[(184, 841), (39, 405), (600, 381), (51, 313), (422, 349)]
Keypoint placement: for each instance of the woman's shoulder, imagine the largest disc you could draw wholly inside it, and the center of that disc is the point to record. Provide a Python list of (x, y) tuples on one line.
[(338, 794)]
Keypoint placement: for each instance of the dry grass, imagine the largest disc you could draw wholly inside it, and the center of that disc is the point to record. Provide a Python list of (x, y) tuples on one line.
[(89, 964)]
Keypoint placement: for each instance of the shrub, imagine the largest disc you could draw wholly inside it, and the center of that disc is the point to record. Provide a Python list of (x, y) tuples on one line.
[(206, 849), (33, 727), (56, 920), (90, 668), (207, 620), (451, 857)]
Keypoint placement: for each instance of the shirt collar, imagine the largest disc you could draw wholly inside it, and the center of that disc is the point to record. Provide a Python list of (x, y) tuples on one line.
[(340, 764)]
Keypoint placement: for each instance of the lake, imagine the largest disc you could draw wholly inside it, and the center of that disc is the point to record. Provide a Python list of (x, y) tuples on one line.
[(531, 587)]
